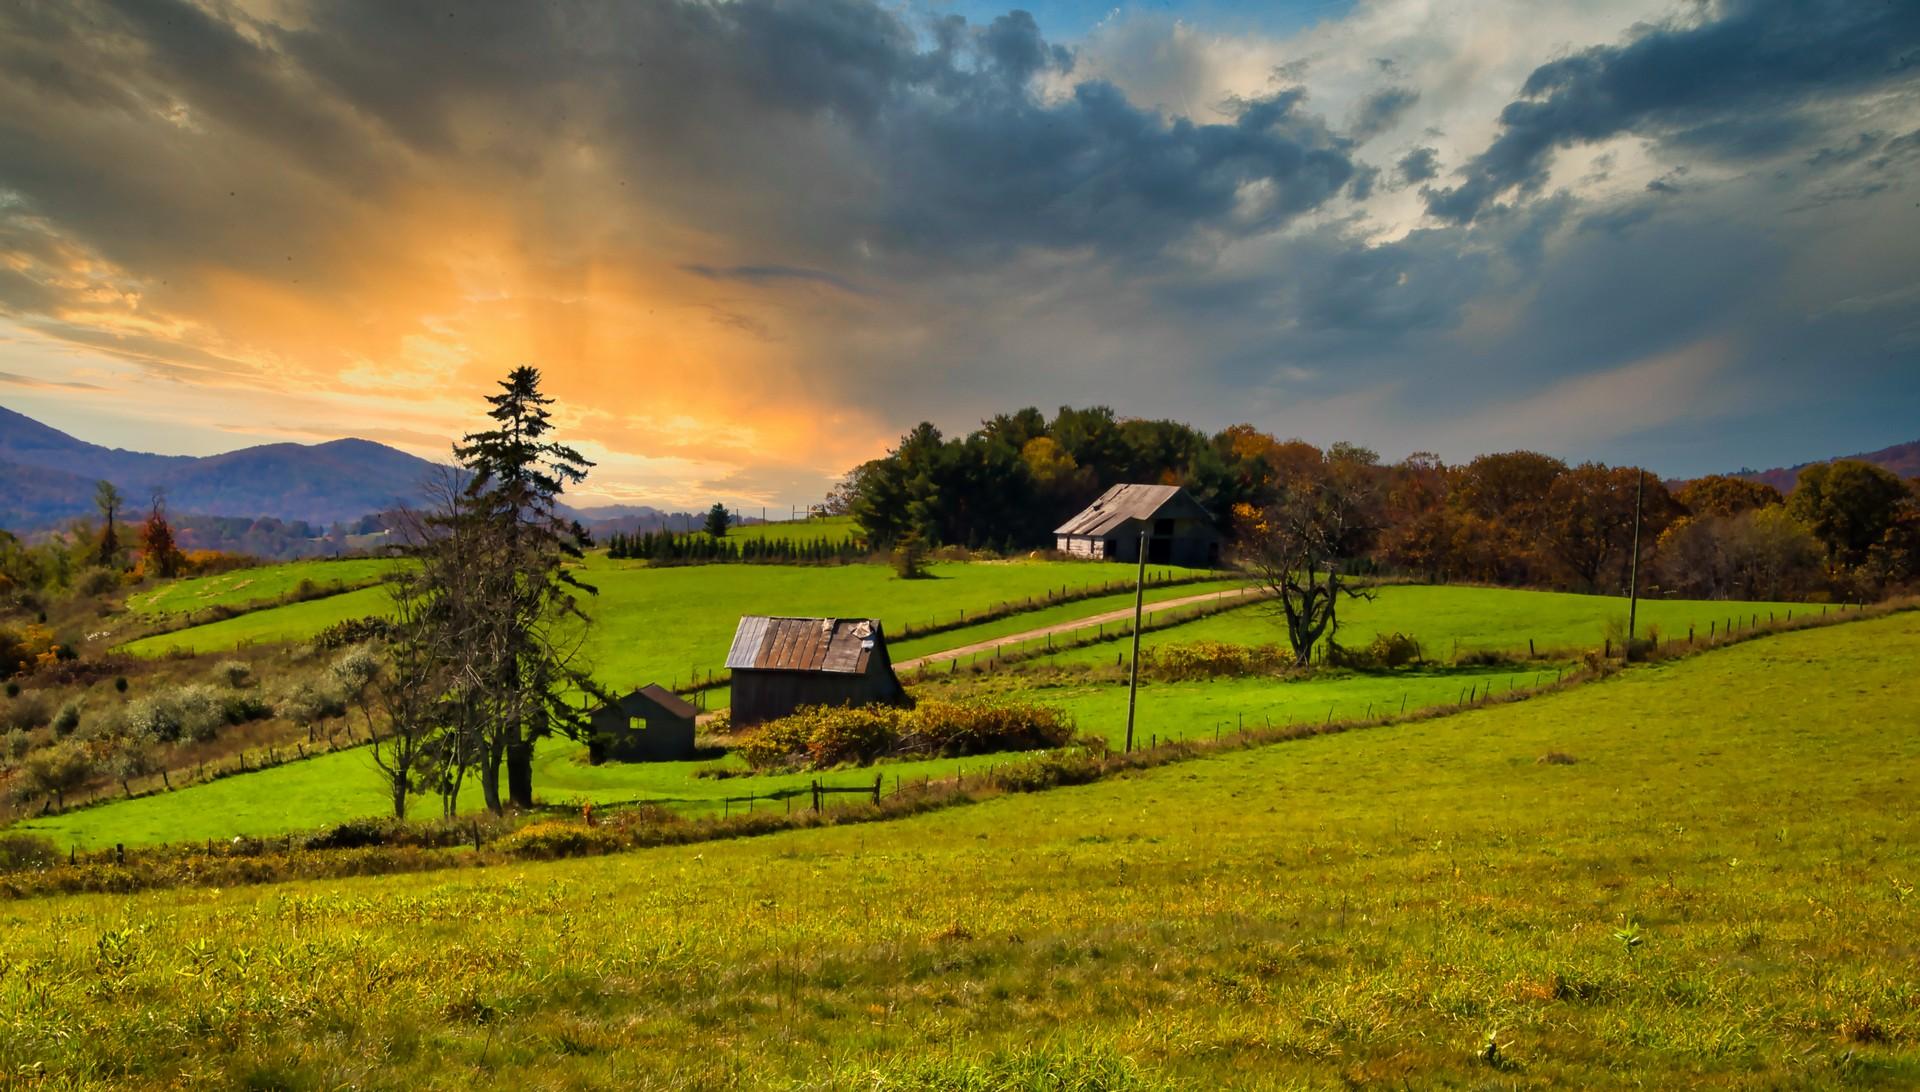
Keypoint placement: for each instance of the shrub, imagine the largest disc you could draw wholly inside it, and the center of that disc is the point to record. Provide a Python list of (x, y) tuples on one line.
[(67, 719), (28, 710), (97, 581), (354, 631), (307, 704), (57, 770), (550, 839), (120, 683), (1385, 651), (156, 717), (15, 744), (1051, 771), (19, 852), (236, 673), (1215, 659), (354, 669), (821, 736)]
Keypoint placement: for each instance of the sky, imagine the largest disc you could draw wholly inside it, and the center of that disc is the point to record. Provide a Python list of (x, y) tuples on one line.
[(750, 243)]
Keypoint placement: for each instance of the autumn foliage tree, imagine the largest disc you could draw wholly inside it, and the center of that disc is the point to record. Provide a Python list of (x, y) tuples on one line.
[(1297, 547), (162, 556)]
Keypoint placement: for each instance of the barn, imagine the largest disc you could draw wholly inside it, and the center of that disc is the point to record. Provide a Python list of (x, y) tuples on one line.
[(1179, 531), (651, 724), (781, 664)]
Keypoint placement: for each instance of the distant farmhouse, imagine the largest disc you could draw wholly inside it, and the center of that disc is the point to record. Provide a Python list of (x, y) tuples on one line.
[(652, 724), (1179, 531), (781, 664)]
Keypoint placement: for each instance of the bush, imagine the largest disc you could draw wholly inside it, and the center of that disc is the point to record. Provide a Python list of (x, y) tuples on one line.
[(19, 852), (1386, 651), (67, 719), (354, 669), (1215, 659), (97, 581), (120, 683), (15, 744), (195, 712), (235, 673), (545, 840), (353, 631), (820, 736), (1051, 771), (26, 711)]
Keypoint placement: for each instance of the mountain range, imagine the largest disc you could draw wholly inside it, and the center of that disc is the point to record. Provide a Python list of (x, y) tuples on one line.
[(48, 477)]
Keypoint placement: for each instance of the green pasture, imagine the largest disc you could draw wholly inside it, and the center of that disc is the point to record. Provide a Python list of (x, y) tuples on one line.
[(821, 529), (661, 624), (1704, 873), (260, 584), (331, 788), (1446, 619), (292, 622), (1186, 710)]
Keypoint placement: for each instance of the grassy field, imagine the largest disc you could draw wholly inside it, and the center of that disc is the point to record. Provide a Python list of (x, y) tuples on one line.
[(658, 625), (261, 584), (1713, 882), (1450, 618), (823, 529), (318, 792)]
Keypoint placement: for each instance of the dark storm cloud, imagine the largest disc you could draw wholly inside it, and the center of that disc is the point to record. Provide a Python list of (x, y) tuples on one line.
[(1732, 86), (1381, 109), (1419, 165)]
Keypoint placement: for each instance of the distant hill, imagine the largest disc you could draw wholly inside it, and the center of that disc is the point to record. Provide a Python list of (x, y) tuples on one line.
[(51, 478), (1902, 459)]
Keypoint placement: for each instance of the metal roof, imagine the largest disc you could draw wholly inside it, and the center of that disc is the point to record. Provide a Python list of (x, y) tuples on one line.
[(839, 646), (1128, 502), (669, 701)]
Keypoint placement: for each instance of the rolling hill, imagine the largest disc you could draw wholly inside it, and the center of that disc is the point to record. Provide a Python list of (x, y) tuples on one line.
[(52, 476), (1902, 459)]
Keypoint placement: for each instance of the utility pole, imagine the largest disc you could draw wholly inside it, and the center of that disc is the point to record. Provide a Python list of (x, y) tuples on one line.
[(1139, 599), (1633, 567)]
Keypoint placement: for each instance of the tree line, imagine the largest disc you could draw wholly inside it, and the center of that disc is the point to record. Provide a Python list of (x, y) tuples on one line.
[(1849, 530), (700, 547)]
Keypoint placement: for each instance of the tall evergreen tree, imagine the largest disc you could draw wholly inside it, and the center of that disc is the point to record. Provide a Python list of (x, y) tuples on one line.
[(108, 499), (517, 476)]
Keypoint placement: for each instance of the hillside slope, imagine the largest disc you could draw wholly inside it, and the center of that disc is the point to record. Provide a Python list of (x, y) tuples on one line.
[(318, 483), (1902, 459), (1711, 882)]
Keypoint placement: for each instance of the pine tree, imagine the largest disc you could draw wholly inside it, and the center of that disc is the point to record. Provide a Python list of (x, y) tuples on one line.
[(517, 476)]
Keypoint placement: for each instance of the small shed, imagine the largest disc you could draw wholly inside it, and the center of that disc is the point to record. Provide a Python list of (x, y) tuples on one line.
[(651, 724), (781, 664), (1179, 531)]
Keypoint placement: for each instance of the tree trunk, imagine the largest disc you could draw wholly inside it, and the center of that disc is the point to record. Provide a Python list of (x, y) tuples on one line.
[(520, 772), (400, 797), (490, 781)]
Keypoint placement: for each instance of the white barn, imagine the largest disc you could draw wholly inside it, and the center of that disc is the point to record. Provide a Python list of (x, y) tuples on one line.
[(1178, 530)]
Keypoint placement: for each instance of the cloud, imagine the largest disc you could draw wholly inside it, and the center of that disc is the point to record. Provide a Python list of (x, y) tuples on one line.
[(36, 383), (1736, 84), (1419, 165), (751, 242)]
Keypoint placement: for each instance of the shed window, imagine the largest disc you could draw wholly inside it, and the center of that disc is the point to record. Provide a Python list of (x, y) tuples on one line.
[(636, 724)]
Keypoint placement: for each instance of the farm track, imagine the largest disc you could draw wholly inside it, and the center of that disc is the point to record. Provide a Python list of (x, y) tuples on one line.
[(1122, 615)]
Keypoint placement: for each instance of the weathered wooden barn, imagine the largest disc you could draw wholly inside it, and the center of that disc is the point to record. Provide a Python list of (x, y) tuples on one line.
[(1179, 531), (651, 724), (781, 664)]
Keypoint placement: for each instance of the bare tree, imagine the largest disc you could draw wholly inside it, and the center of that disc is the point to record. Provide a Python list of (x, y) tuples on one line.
[(1295, 548)]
